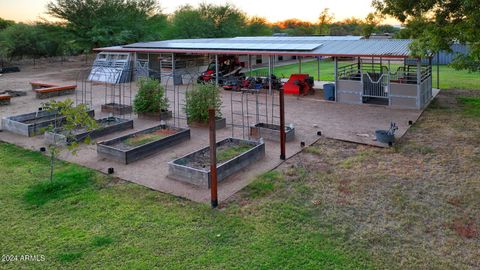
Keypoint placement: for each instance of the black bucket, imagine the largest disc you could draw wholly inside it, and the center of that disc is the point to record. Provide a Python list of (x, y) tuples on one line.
[(384, 137)]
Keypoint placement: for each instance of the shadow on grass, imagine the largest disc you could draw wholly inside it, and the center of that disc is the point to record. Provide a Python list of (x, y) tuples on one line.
[(63, 185)]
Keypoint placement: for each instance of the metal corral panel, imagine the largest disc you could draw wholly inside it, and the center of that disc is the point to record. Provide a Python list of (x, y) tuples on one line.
[(399, 89), (111, 68), (404, 102)]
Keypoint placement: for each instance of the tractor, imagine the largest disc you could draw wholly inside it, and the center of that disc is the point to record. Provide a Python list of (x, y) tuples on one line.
[(229, 69)]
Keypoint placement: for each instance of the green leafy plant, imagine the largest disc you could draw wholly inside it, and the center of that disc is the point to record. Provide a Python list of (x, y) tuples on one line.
[(150, 97), (200, 99), (71, 117)]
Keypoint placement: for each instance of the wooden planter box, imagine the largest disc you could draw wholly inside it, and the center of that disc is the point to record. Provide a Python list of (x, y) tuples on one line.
[(110, 125), (113, 149), (178, 169), (31, 124), (118, 109), (271, 132), (219, 124), (5, 99), (155, 116)]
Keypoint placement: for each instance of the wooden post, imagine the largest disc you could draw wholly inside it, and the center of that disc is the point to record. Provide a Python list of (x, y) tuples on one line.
[(283, 154), (213, 158)]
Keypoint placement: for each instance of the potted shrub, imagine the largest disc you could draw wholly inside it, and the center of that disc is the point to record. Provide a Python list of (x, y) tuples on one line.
[(199, 100), (150, 101)]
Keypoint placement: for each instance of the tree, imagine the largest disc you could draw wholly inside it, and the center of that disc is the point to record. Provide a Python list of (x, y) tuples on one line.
[(370, 25), (5, 23), (19, 40), (324, 21), (296, 27), (207, 21), (71, 117), (97, 23), (436, 25), (258, 26)]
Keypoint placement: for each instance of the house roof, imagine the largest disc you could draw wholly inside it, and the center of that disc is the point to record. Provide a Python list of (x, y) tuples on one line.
[(349, 46)]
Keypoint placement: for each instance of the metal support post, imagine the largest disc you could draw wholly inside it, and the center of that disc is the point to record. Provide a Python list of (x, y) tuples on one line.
[(438, 70), (318, 68), (269, 75), (299, 64), (216, 69), (335, 70)]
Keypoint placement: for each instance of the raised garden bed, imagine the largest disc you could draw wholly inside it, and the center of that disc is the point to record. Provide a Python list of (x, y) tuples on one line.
[(31, 124), (5, 99), (219, 123), (14, 93), (156, 116), (129, 148), (271, 132), (115, 108), (233, 155), (106, 126)]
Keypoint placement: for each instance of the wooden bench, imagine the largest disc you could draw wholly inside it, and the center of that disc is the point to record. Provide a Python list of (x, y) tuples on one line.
[(5, 99), (55, 91), (37, 85)]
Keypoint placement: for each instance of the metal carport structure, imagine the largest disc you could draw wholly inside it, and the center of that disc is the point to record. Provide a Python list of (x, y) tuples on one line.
[(409, 86)]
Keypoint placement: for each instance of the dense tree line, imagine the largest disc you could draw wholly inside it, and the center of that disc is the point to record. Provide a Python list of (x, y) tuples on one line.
[(87, 24)]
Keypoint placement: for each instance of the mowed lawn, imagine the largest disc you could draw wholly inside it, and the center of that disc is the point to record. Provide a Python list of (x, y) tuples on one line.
[(449, 77), (86, 220)]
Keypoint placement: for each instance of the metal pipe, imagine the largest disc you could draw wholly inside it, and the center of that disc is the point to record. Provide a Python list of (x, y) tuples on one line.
[(299, 64), (269, 75), (283, 154), (335, 70), (213, 158), (216, 70), (438, 71), (318, 68)]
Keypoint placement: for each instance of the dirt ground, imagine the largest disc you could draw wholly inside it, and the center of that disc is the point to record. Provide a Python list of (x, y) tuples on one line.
[(308, 115), (413, 206)]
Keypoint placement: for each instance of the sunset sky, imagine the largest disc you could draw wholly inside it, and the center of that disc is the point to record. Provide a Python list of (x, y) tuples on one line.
[(31, 10)]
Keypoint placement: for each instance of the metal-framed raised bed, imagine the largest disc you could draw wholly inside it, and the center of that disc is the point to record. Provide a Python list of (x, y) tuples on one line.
[(271, 132), (135, 146), (155, 116), (31, 124), (220, 122), (116, 108), (107, 125), (189, 168)]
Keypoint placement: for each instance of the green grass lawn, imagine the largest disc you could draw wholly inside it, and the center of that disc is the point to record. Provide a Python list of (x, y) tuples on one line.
[(449, 77), (86, 220)]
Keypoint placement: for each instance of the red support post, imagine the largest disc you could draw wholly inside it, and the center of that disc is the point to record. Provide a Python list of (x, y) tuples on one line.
[(213, 158), (283, 154)]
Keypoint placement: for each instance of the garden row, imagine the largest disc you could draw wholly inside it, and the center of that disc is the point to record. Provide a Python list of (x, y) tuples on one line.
[(65, 126)]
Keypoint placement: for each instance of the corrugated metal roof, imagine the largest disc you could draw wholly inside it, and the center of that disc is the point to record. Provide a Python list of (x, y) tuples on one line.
[(308, 46)]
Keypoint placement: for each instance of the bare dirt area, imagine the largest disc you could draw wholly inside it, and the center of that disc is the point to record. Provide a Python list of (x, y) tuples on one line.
[(413, 206)]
